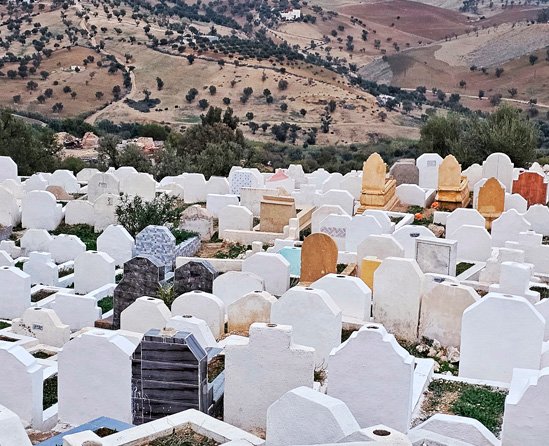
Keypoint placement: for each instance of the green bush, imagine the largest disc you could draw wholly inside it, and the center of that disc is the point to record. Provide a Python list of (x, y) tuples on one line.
[(86, 233)]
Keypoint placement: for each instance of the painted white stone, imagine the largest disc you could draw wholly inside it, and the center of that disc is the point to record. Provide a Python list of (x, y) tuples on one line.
[(38, 181), (254, 379), (412, 194), (304, 416), (117, 242), (335, 197), (145, 313), (66, 247), (463, 216), (508, 227), (321, 212), (79, 212), (336, 226), (198, 327), (76, 311), (235, 218), (352, 183), (194, 185), (379, 246), (102, 183), (515, 280), (373, 375), (332, 182), (44, 325), (538, 217), (473, 243), (12, 431), (138, 185), (499, 334), (197, 219), (382, 218), (15, 187), (252, 307), (407, 235), (491, 273), (92, 270), (95, 377), (473, 173), (360, 227), (217, 185), (251, 197), (35, 240), (234, 284), (39, 210), (42, 269), (65, 179), (428, 170), (516, 202), (21, 387), (204, 306), (442, 310), (10, 213), (499, 165), (349, 293), (397, 302), (85, 174), (216, 202), (314, 316), (459, 428), (15, 292), (104, 209), (5, 259), (10, 248), (122, 172), (8, 169)]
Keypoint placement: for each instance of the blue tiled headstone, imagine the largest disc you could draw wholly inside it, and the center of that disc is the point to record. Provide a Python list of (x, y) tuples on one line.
[(293, 256), (157, 241)]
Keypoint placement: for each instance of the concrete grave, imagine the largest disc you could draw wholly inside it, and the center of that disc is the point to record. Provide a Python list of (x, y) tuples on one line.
[(10, 213), (216, 202), (272, 268), (8, 169), (102, 183), (76, 311), (407, 235), (104, 208), (65, 179), (427, 165), (321, 212), (39, 210), (360, 227), (42, 269), (250, 308), (197, 327), (197, 219), (117, 242), (138, 185), (66, 247), (92, 270), (15, 292), (436, 255), (144, 314), (79, 212), (508, 227), (232, 285), (237, 218), (336, 226), (473, 243), (35, 240), (204, 306), (44, 325), (499, 165)]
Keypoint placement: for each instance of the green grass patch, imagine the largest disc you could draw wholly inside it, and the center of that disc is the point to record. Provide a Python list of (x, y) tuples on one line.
[(42, 355), (106, 304), (444, 366), (42, 294), (50, 392), (462, 267), (4, 325), (341, 267), (85, 233), (483, 403), (543, 292), (181, 235), (232, 253), (66, 272)]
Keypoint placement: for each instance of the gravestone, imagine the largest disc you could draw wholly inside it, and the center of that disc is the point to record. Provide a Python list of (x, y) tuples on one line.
[(216, 202), (15, 292), (507, 228), (234, 218), (407, 235), (39, 210), (217, 185), (92, 270), (35, 182), (194, 185), (8, 169), (321, 212), (169, 375), (532, 186), (380, 247), (397, 302), (442, 310), (84, 175), (473, 243), (250, 308), (461, 217), (42, 269), (197, 219), (491, 200), (517, 202), (79, 212), (360, 227), (104, 208), (204, 306), (405, 171), (272, 268), (318, 257), (254, 379), (102, 183), (378, 191), (314, 316), (138, 185), (65, 179), (336, 226), (145, 314), (436, 255), (44, 325), (473, 173), (65, 247), (499, 165), (538, 217), (35, 240), (117, 242), (158, 242), (289, 419), (142, 277), (197, 327), (498, 334), (336, 197), (10, 214), (352, 183), (95, 372), (76, 311), (452, 188), (234, 284), (196, 274), (427, 165), (275, 213), (373, 375), (293, 255), (349, 293), (12, 430)]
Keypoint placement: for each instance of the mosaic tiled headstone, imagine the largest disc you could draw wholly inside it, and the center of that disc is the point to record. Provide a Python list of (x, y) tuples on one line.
[(142, 277), (157, 241), (239, 180), (169, 375), (194, 275)]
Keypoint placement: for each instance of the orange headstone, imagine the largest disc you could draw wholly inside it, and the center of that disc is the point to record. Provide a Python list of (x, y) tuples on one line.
[(318, 257)]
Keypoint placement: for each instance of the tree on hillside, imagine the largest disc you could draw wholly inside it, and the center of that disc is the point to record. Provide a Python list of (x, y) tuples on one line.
[(99, 95), (57, 107), (472, 138), (532, 59), (107, 152), (159, 84)]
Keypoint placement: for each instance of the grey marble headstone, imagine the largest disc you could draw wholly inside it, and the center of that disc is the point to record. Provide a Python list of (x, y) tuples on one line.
[(404, 171), (194, 275), (435, 255), (169, 375), (159, 242), (142, 277)]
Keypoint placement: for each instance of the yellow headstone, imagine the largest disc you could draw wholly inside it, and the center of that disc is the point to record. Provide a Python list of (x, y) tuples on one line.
[(374, 173), (449, 174), (367, 271)]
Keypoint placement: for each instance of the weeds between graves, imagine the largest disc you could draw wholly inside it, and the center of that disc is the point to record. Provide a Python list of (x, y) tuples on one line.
[(40, 354), (4, 325), (543, 292), (215, 367), (483, 403), (232, 252), (167, 294), (86, 233), (462, 267), (182, 235), (424, 349), (106, 304), (66, 272), (186, 437), (42, 294), (50, 392), (104, 432)]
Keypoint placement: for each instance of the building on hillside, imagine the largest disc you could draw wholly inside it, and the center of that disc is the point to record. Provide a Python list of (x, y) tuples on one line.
[(291, 14)]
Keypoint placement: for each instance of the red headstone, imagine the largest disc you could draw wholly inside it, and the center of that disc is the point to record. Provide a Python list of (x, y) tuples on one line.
[(532, 186)]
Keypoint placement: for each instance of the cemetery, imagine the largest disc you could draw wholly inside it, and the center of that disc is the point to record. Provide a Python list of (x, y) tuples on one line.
[(399, 305)]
